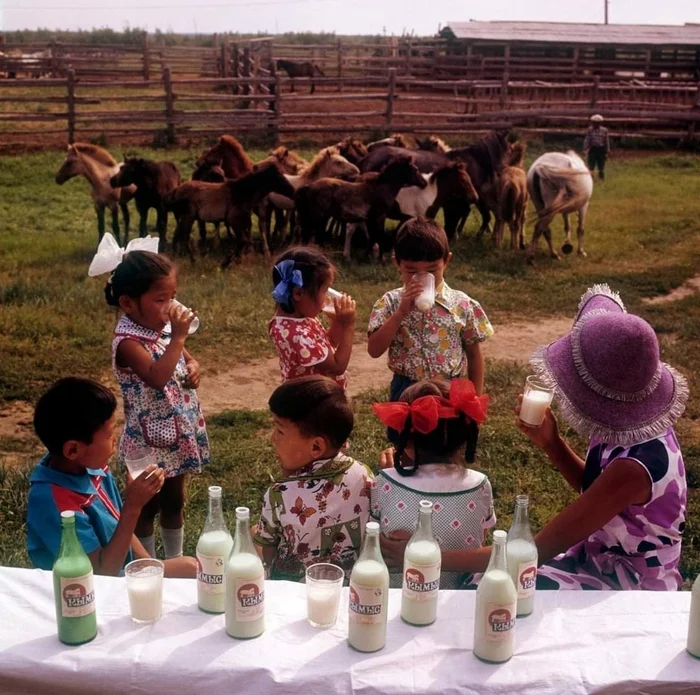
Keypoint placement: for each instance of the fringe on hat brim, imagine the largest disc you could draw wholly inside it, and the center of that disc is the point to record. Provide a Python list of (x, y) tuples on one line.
[(598, 431), (596, 290)]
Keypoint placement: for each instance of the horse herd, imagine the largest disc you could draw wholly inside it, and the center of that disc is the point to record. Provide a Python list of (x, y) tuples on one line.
[(348, 186)]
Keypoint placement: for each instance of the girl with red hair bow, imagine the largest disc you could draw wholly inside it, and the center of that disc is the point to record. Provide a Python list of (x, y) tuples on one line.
[(436, 420)]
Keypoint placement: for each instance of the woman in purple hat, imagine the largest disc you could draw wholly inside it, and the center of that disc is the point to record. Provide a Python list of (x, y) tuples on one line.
[(624, 530)]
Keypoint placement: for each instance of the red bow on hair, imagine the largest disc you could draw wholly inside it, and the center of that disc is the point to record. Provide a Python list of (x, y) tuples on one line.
[(426, 411)]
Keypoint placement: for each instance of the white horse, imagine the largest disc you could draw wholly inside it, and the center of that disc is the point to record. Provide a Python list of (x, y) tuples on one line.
[(559, 183)]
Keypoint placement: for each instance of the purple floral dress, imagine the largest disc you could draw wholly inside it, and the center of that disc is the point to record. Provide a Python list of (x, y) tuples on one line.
[(639, 548)]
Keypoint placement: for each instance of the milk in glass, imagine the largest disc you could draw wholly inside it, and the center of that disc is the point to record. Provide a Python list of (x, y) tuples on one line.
[(244, 583), (496, 605), (693, 645), (521, 554), (213, 550), (369, 595), (421, 571)]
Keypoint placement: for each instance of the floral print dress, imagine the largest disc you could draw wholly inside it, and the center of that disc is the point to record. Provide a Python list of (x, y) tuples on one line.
[(639, 548), (170, 419), (318, 514), (302, 345)]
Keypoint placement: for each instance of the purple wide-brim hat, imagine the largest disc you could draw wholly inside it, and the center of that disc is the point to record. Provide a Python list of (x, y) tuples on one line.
[(609, 382)]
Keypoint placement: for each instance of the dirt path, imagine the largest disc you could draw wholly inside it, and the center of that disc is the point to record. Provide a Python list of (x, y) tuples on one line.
[(688, 288), (249, 385)]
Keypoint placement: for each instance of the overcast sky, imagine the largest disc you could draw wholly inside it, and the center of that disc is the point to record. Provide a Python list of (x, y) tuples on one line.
[(340, 16)]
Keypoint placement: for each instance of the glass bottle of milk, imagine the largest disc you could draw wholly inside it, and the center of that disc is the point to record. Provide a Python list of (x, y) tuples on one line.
[(244, 583), (213, 549), (521, 554), (496, 601), (421, 571), (369, 595), (693, 645)]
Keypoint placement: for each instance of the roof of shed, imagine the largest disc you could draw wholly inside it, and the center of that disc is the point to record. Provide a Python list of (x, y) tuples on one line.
[(562, 32)]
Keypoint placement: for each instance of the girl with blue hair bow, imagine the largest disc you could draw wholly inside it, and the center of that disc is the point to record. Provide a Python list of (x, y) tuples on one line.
[(301, 278)]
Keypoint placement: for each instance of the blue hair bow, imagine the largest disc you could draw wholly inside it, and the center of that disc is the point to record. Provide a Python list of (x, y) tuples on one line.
[(290, 278)]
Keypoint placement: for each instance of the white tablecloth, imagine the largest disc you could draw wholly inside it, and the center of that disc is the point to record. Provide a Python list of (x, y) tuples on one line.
[(574, 643)]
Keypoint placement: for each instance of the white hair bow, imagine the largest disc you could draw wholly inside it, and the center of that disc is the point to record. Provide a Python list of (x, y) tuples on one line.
[(109, 254)]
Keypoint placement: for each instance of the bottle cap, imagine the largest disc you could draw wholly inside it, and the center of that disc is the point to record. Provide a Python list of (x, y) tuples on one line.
[(499, 537), (215, 491), (242, 513), (372, 528), (425, 506), (68, 515)]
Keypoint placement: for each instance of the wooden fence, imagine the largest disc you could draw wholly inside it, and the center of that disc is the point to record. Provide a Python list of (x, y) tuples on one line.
[(420, 58), (172, 107)]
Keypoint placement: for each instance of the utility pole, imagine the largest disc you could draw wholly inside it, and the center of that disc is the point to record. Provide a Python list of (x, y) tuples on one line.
[(606, 10)]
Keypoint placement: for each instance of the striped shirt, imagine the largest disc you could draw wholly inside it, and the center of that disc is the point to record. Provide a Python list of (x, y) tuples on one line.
[(597, 137)]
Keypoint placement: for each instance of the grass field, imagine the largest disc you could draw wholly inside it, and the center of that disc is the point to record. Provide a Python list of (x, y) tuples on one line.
[(643, 237)]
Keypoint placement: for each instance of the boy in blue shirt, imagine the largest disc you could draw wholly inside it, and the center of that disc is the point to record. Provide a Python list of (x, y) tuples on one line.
[(75, 421)]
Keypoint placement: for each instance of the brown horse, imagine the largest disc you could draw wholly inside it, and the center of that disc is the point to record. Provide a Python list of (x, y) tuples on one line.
[(352, 149), (366, 202), (294, 69), (208, 174), (512, 199), (231, 202), (98, 166), (153, 181), (229, 154)]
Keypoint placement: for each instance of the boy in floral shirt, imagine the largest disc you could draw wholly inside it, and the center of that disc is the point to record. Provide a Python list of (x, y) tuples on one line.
[(317, 510), (444, 341)]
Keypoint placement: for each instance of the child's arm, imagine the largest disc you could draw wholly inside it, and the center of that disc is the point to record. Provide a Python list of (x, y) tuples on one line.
[(475, 366), (380, 340), (110, 559), (156, 374), (192, 371), (338, 360)]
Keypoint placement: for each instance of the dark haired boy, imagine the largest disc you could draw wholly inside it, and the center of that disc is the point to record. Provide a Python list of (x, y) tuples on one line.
[(318, 509), (444, 341), (75, 421)]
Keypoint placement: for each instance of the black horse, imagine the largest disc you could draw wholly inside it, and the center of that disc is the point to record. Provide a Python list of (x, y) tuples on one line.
[(483, 159), (294, 69), (154, 181)]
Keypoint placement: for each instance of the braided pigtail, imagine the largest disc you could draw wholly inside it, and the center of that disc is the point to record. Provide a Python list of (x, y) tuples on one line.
[(404, 438)]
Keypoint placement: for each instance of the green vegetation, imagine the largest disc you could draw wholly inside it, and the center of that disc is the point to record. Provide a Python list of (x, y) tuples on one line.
[(642, 237)]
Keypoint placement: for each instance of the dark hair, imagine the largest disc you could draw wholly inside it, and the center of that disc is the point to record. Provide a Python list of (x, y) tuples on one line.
[(439, 445), (136, 273), (314, 266), (317, 405), (421, 239), (72, 409)]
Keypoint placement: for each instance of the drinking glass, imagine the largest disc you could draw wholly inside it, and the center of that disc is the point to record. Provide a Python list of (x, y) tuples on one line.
[(323, 584), (195, 324), (144, 584), (426, 299), (536, 399), (329, 306), (138, 460)]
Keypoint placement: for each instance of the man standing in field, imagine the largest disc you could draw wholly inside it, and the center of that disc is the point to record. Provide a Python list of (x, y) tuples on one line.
[(596, 145)]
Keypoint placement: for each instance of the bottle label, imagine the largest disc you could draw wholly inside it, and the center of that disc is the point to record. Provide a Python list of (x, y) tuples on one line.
[(77, 596), (500, 620), (527, 578), (366, 604), (210, 573), (421, 582), (250, 598)]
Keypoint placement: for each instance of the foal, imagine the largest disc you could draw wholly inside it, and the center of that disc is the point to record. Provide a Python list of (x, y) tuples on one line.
[(153, 181), (512, 198), (229, 154)]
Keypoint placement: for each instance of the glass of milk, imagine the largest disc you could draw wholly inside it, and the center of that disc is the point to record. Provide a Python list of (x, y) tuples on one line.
[(323, 584), (144, 584), (195, 324), (329, 306), (536, 399), (426, 299), (138, 460)]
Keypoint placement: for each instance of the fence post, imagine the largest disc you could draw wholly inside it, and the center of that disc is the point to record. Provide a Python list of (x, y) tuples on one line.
[(53, 63), (277, 105), (340, 65), (246, 73), (504, 90), (594, 91), (390, 99), (225, 58), (169, 105), (409, 50), (70, 102), (236, 52), (146, 58)]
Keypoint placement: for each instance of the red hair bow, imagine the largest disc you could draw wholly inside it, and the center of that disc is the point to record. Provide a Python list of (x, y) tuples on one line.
[(426, 411)]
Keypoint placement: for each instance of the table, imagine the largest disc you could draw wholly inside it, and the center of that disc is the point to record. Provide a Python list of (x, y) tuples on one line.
[(574, 643)]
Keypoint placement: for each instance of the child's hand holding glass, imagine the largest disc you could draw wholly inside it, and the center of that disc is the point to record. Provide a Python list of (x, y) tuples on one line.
[(413, 289), (181, 319), (345, 310)]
